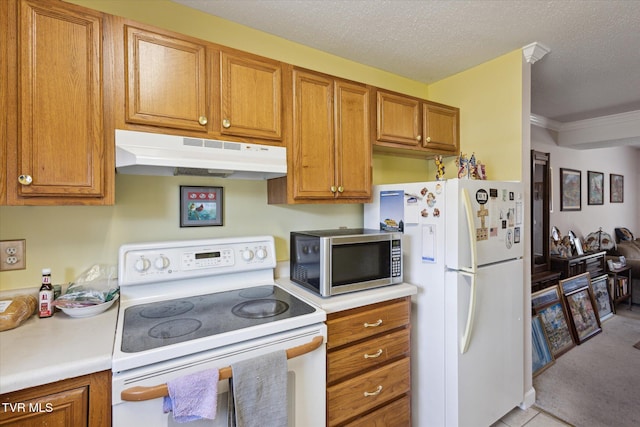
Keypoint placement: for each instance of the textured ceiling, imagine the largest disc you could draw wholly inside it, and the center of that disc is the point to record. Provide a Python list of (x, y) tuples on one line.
[(593, 68)]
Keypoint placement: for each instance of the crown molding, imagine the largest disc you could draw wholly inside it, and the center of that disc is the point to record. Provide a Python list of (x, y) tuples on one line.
[(534, 52), (616, 128), (543, 122)]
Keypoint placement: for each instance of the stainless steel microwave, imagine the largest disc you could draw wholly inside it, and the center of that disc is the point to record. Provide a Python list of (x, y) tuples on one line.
[(333, 262)]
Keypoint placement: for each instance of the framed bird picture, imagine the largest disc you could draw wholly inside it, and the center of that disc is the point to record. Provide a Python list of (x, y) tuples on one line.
[(200, 206)]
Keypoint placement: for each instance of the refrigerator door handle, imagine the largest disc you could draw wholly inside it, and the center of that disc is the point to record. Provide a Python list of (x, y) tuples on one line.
[(468, 329), (472, 243)]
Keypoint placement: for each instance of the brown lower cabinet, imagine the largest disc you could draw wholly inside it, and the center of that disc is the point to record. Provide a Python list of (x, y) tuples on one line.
[(78, 402), (368, 365)]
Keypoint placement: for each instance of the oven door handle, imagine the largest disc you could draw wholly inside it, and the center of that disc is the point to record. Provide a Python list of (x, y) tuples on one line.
[(140, 393)]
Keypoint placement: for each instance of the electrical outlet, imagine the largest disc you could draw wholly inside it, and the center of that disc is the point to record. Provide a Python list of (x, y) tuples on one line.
[(13, 255)]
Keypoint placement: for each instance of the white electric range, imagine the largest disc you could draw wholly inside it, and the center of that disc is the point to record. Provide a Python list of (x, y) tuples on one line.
[(188, 306)]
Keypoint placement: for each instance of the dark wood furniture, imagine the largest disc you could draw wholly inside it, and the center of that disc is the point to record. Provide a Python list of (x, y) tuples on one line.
[(620, 288), (540, 208), (592, 263), (544, 280)]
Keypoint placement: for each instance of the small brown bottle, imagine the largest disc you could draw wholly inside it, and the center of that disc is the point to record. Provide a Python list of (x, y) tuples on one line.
[(45, 296)]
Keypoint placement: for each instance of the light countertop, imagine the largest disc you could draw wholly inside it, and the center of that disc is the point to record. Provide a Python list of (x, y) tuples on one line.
[(350, 300), (42, 351)]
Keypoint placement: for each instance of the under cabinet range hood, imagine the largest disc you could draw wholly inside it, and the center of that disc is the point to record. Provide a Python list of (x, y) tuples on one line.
[(144, 153)]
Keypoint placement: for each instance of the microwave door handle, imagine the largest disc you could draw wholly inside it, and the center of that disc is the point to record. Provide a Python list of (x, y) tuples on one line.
[(466, 202), (468, 329)]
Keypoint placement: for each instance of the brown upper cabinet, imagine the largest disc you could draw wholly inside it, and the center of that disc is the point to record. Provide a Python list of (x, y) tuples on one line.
[(330, 152), (415, 126), (57, 150), (178, 82), (166, 82), (250, 96)]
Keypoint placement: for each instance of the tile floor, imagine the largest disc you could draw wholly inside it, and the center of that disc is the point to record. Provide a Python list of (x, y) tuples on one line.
[(531, 417)]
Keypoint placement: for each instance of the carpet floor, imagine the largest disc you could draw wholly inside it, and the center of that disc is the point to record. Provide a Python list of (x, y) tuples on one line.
[(597, 384)]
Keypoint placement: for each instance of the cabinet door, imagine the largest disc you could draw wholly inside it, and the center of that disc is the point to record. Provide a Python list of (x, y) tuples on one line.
[(165, 80), (352, 140), (60, 149), (398, 119), (441, 127), (313, 135), (79, 401), (66, 408), (251, 96)]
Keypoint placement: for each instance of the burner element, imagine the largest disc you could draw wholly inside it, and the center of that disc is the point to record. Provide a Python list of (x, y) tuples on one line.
[(257, 292), (260, 308), (174, 328), (166, 309)]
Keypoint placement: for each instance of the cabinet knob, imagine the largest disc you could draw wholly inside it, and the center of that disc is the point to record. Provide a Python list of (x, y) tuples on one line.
[(226, 123), (334, 188), (428, 139), (419, 138), (25, 179), (203, 120), (340, 189)]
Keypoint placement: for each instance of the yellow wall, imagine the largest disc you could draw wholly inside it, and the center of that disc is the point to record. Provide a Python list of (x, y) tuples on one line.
[(69, 239), (490, 100)]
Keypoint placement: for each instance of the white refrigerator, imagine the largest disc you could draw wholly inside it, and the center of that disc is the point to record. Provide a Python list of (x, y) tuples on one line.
[(463, 248)]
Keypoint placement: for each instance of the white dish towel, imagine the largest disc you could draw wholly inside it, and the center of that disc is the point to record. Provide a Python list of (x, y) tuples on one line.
[(258, 392)]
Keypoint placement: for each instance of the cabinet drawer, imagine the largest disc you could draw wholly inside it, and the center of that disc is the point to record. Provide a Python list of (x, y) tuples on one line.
[(395, 414), (364, 324), (367, 391), (367, 355)]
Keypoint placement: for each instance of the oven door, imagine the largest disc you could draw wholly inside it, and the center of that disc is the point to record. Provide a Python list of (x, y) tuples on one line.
[(306, 383)]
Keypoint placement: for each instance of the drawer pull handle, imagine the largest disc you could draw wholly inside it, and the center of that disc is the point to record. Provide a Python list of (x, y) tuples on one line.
[(373, 393), (371, 325), (373, 356)]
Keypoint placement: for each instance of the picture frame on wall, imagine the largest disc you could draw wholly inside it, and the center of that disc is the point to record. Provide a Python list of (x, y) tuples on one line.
[(616, 188), (554, 320), (541, 357), (200, 206), (584, 317), (570, 189), (595, 188)]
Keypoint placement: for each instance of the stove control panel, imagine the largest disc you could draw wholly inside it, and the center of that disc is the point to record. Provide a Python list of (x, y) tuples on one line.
[(156, 262), (206, 259)]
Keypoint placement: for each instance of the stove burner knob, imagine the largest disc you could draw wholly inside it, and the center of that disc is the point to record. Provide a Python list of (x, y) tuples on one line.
[(261, 253), (161, 262), (247, 254), (142, 264)]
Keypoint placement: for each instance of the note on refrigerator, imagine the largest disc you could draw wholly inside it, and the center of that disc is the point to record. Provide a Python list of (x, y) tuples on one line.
[(429, 243)]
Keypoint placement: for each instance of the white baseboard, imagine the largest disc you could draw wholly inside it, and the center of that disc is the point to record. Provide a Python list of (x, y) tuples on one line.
[(529, 399)]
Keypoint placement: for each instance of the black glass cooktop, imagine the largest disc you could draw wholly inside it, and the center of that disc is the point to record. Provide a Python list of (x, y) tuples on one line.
[(153, 325)]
